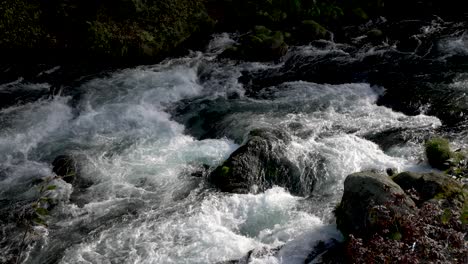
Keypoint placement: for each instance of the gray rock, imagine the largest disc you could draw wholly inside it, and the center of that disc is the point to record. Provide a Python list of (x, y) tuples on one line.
[(365, 191), (258, 165), (429, 185)]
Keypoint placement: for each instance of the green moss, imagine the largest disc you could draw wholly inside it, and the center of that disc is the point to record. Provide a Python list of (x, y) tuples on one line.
[(360, 14), (259, 29), (445, 217), (438, 153), (225, 170), (314, 28)]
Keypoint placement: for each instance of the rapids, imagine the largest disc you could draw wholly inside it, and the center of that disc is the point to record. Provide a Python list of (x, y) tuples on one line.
[(142, 135)]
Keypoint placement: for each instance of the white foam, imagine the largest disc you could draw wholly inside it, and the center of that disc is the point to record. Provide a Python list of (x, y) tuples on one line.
[(220, 228)]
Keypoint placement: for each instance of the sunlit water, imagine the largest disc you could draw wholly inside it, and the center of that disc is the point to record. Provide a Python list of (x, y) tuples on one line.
[(139, 149)]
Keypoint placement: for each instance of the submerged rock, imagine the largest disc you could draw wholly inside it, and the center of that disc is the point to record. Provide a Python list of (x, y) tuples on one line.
[(363, 192), (65, 167), (258, 165)]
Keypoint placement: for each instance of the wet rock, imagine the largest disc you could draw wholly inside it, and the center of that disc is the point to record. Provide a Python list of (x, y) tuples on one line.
[(439, 154), (429, 185), (262, 44), (375, 35), (258, 165), (65, 167), (391, 171), (253, 254), (200, 171), (313, 30), (363, 193), (393, 137)]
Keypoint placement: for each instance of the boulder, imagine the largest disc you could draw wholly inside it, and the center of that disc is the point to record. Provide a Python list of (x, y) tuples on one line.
[(258, 165), (313, 30), (375, 35), (438, 153), (429, 185), (364, 193)]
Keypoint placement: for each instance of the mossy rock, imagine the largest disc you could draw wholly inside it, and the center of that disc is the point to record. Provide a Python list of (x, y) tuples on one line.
[(430, 185), (438, 153), (314, 29), (364, 192), (360, 14), (259, 29), (258, 165), (375, 34)]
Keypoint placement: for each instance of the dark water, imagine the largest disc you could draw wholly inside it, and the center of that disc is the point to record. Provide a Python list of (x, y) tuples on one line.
[(140, 135)]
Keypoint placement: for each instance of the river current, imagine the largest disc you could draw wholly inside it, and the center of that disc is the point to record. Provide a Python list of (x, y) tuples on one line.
[(144, 136)]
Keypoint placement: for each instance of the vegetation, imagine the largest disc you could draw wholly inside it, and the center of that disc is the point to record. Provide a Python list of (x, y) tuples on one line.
[(20, 25), (149, 29), (440, 156), (432, 233)]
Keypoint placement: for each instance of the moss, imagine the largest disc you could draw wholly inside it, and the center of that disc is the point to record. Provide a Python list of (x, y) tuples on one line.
[(360, 14), (225, 170), (259, 29), (451, 192), (314, 28), (438, 153), (445, 217)]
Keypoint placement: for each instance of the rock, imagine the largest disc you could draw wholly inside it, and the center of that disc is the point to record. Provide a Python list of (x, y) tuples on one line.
[(258, 165), (439, 154), (375, 35), (429, 185), (65, 167), (313, 30), (391, 171), (256, 253), (392, 137), (359, 14), (262, 44), (363, 192)]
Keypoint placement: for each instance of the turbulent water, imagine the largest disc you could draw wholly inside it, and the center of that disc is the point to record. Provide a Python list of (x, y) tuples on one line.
[(143, 137)]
